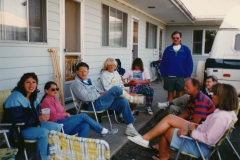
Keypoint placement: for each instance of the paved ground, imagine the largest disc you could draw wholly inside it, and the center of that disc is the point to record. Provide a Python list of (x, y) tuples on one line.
[(117, 141)]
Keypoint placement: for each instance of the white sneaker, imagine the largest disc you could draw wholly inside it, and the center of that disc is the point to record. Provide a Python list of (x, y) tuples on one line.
[(131, 132), (138, 140), (163, 105), (149, 110)]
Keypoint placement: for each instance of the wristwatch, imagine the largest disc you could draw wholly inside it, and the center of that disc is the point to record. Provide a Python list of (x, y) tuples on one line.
[(189, 133)]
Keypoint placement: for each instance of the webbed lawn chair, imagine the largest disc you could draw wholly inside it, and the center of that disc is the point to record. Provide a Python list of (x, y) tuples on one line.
[(68, 147), (7, 153), (3, 96), (213, 149), (80, 108)]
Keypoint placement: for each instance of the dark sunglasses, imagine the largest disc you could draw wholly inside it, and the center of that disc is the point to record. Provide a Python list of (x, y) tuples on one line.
[(53, 89), (175, 38)]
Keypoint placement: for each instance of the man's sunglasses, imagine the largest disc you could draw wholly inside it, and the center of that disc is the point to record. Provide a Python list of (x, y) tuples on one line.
[(53, 89)]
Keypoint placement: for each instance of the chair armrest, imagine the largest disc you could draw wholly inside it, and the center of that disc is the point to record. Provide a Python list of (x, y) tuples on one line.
[(190, 138), (4, 131), (186, 137), (10, 124)]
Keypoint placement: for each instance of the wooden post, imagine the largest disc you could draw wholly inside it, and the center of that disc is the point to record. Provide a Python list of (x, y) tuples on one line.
[(57, 73)]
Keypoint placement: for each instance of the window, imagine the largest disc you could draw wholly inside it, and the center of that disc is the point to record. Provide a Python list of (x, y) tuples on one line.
[(151, 35), (72, 26), (203, 41), (237, 42), (16, 25), (114, 27)]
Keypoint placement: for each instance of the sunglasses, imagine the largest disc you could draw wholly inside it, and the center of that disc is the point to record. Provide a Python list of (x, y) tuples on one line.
[(175, 38), (53, 89)]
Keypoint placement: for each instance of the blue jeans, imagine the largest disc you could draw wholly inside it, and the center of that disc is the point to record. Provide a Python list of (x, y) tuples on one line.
[(41, 135), (81, 124), (111, 101)]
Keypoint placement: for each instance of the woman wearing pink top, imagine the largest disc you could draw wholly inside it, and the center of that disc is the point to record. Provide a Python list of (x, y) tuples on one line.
[(171, 127), (80, 123)]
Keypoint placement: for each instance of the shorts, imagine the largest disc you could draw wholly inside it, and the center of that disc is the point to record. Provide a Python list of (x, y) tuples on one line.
[(189, 146), (174, 83)]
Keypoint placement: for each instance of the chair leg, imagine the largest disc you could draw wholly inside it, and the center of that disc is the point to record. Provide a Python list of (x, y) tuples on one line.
[(109, 119), (219, 156), (25, 153), (180, 148), (116, 117), (233, 148)]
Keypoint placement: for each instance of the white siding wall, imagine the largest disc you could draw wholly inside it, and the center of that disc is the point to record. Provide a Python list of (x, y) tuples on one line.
[(187, 39), (95, 54), (17, 58)]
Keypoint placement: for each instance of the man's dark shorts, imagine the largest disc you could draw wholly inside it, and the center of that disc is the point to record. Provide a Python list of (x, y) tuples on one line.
[(174, 83)]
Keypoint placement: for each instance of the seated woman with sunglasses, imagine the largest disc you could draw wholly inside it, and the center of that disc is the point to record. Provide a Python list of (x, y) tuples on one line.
[(171, 127), (80, 123)]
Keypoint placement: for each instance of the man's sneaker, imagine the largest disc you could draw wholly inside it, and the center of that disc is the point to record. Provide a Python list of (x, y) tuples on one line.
[(149, 110), (110, 132), (131, 132), (163, 105)]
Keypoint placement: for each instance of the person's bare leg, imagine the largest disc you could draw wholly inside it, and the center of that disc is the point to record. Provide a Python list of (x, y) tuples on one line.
[(179, 94), (164, 144), (162, 127), (170, 96)]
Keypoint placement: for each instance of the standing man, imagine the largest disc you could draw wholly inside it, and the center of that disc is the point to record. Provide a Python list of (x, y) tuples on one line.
[(176, 65)]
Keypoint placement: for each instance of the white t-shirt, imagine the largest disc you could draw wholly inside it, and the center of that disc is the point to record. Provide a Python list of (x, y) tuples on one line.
[(136, 74), (176, 48)]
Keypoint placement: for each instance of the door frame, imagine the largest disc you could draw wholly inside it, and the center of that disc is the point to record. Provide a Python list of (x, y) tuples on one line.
[(62, 53), (132, 20)]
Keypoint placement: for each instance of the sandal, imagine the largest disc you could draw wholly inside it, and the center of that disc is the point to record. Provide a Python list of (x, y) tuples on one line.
[(151, 147), (155, 157)]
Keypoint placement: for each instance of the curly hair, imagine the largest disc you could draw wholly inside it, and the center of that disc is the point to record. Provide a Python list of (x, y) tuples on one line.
[(138, 62), (46, 87), (107, 62), (21, 89), (227, 96)]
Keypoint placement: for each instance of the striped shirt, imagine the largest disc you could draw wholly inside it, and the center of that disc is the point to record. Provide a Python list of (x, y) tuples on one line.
[(200, 106)]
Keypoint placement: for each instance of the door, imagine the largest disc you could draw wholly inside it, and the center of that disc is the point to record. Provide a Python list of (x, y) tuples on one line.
[(135, 39), (72, 43)]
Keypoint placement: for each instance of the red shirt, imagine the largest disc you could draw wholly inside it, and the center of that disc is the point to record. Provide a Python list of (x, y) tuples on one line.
[(200, 106)]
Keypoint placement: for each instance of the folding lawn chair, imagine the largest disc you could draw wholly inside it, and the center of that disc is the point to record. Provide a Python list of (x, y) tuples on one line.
[(7, 153), (3, 96), (68, 147), (80, 108), (155, 65), (213, 149)]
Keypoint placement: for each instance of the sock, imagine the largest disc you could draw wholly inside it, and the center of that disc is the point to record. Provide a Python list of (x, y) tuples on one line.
[(120, 115), (170, 103), (130, 126), (104, 131)]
